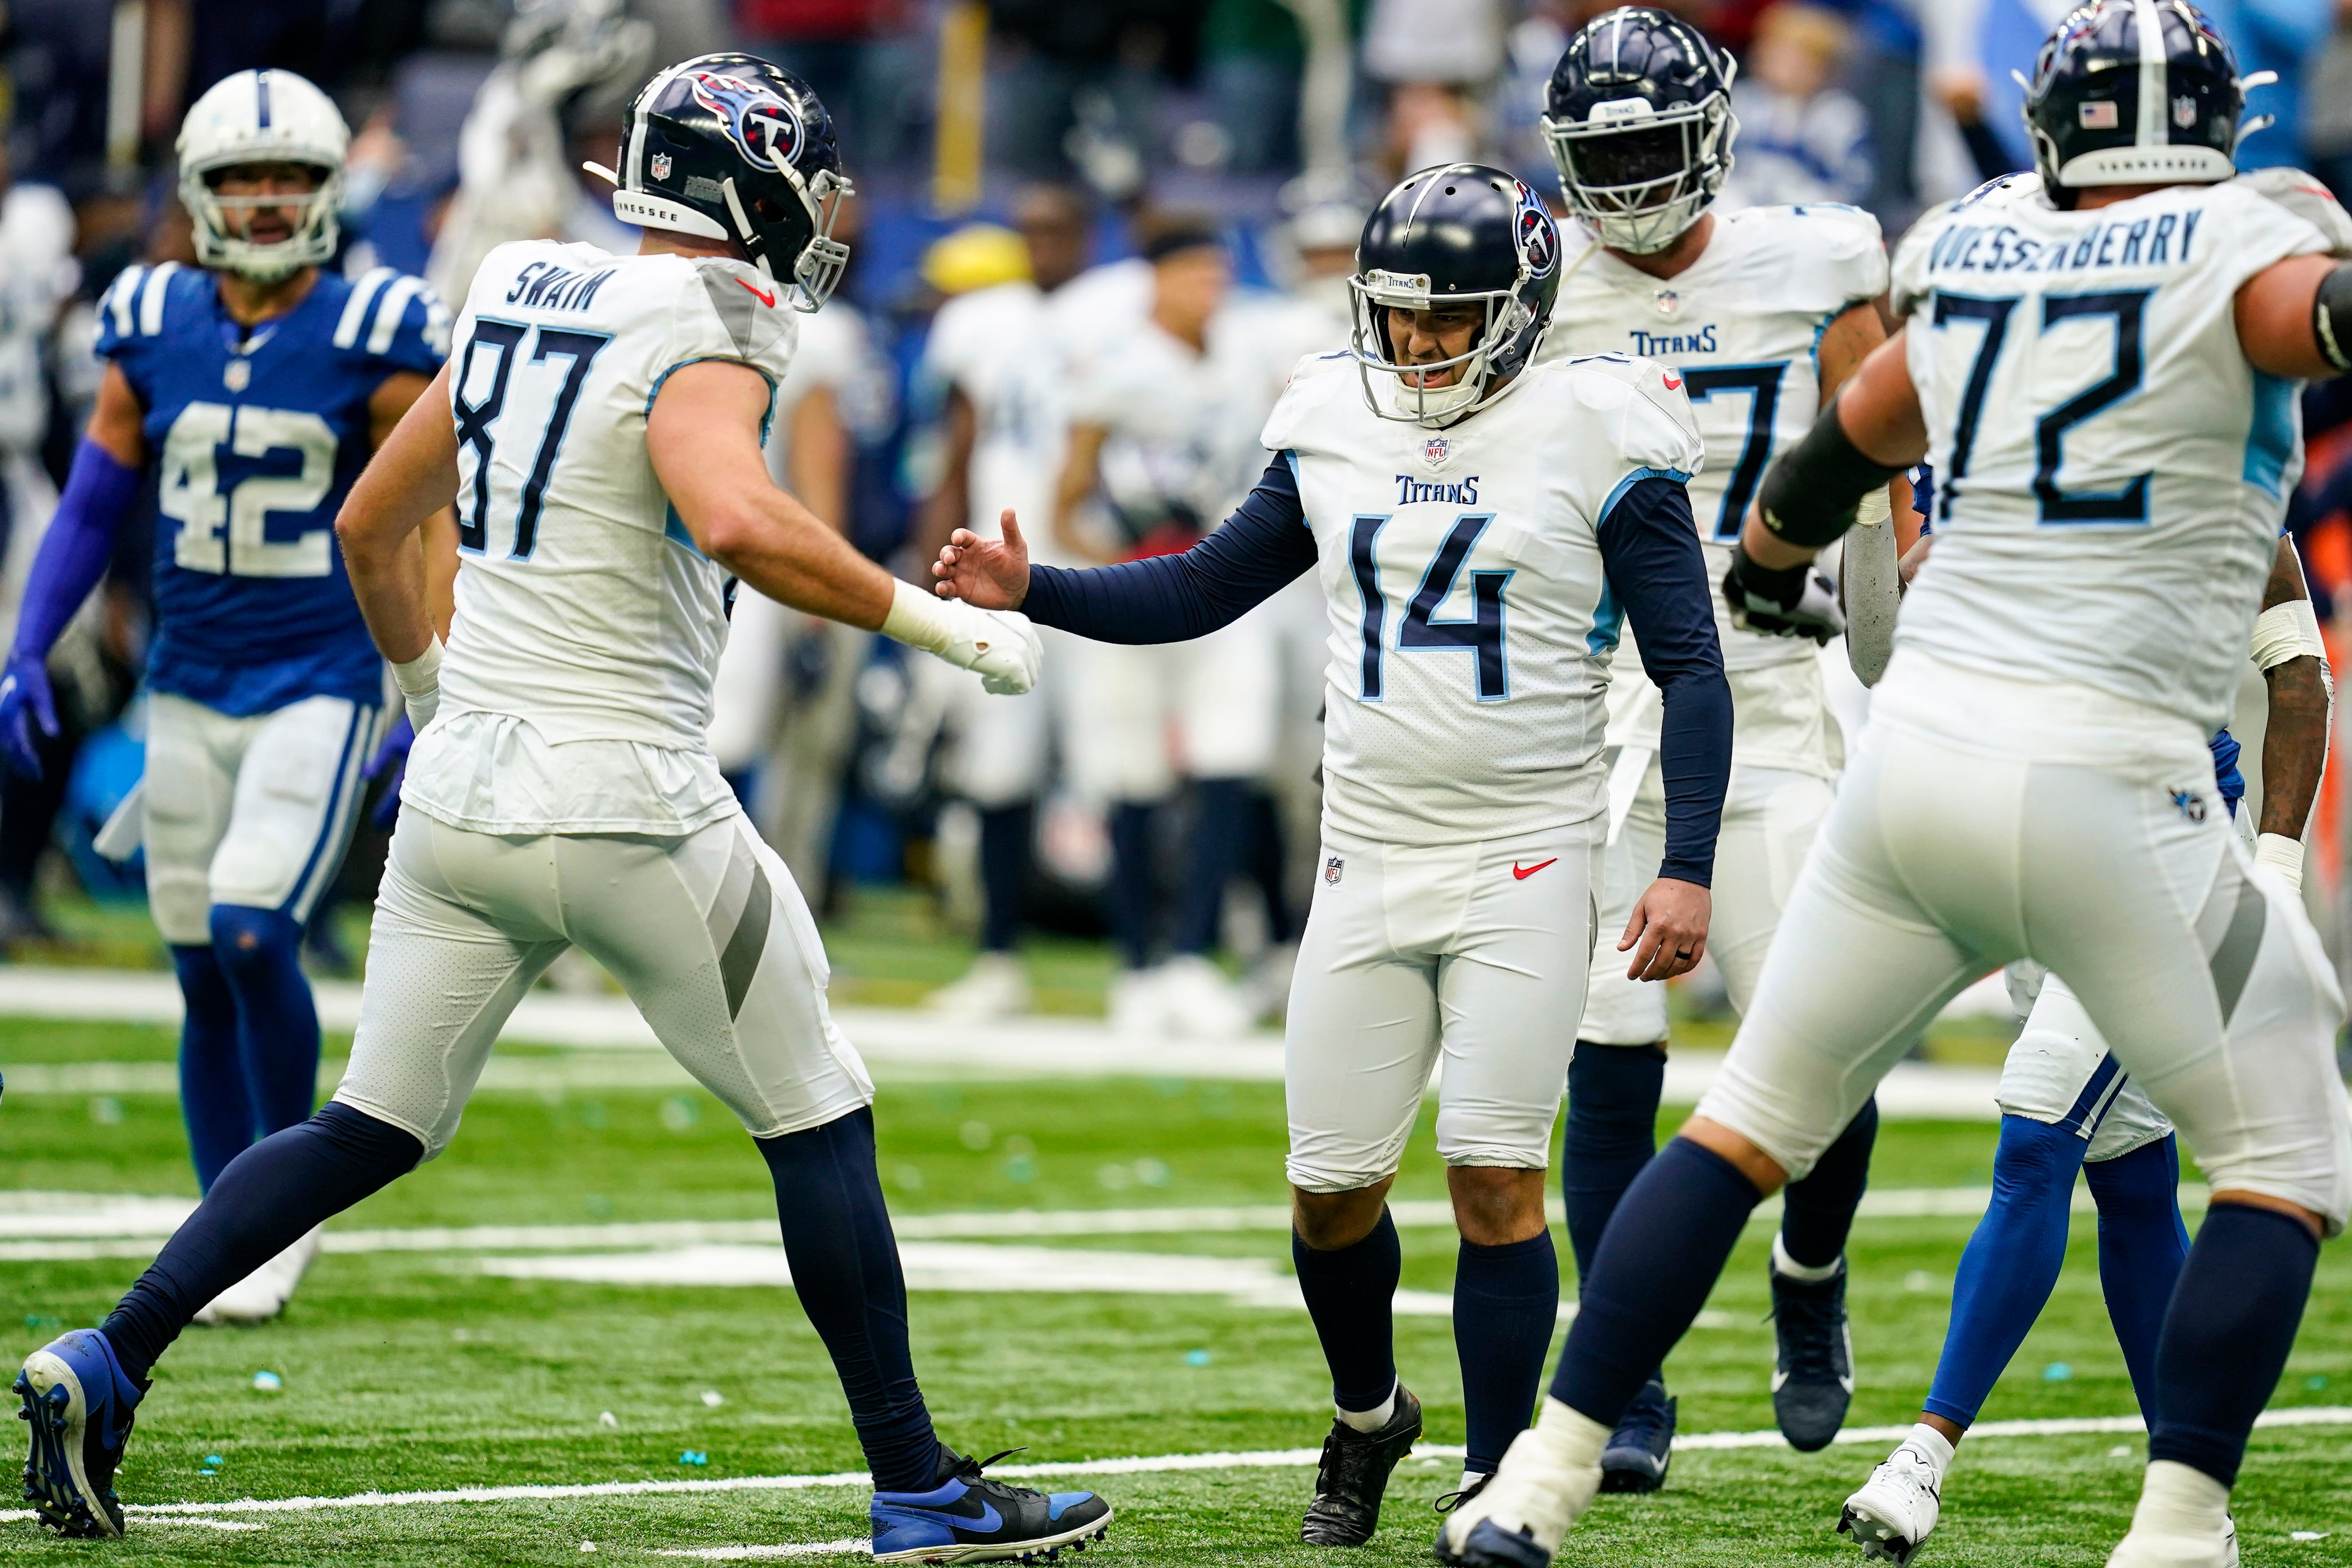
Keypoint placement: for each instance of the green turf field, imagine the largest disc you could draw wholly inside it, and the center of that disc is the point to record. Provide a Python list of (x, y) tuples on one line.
[(406, 1371)]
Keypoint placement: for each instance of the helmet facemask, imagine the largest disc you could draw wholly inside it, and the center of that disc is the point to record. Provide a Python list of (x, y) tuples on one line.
[(1640, 178), (1373, 294), (220, 223), (817, 270)]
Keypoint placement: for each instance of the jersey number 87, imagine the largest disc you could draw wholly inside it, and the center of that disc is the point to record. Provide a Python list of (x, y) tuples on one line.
[(478, 417)]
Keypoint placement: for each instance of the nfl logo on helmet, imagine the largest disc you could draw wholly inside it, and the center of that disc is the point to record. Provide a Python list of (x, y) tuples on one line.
[(661, 166)]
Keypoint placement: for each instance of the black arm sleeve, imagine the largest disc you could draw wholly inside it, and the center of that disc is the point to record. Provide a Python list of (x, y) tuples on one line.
[(1650, 550), (1173, 598)]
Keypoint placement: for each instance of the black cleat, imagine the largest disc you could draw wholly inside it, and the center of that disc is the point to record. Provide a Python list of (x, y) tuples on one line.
[(1812, 1379), (1641, 1447), (967, 1518), (1353, 1473)]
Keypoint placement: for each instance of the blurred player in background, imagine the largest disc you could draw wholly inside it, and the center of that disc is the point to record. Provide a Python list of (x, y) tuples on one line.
[(997, 352), (602, 439), (1161, 416), (1764, 312), (253, 391), (2103, 359)]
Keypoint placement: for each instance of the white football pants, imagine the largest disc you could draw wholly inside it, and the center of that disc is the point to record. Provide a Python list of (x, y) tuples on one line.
[(1957, 844), (707, 933), (1470, 958), (254, 812), (1770, 817), (2060, 1071)]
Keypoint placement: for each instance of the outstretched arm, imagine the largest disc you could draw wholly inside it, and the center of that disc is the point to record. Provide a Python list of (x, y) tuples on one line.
[(1163, 598), (2294, 743), (1650, 549)]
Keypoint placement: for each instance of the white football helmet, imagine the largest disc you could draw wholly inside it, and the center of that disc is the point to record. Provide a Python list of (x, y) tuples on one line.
[(262, 116)]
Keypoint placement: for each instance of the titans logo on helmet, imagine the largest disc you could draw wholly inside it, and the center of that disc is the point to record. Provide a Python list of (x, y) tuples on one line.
[(1539, 235), (756, 119)]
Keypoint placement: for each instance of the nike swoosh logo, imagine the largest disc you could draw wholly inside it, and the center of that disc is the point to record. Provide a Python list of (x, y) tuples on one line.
[(1673, 384), (767, 299), (1522, 874), (987, 1520)]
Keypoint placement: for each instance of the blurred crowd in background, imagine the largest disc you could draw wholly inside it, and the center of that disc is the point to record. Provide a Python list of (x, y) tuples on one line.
[(1100, 180)]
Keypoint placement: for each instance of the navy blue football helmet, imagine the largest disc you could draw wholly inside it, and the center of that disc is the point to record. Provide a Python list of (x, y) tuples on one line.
[(1462, 233), (1638, 120), (2136, 92), (728, 147)]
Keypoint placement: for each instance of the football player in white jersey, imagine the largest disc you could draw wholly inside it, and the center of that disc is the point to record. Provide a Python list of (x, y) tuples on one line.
[(1480, 526), (995, 351), (2103, 360), (599, 431), (1763, 313)]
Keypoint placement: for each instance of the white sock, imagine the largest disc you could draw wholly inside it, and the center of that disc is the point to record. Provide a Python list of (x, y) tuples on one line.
[(1472, 1478), (1931, 1446), (1575, 1438), (1371, 1420), (1789, 1268), (2180, 1500)]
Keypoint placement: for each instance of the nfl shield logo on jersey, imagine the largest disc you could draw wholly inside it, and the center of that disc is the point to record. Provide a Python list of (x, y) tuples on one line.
[(1434, 452), (1333, 869), (661, 166)]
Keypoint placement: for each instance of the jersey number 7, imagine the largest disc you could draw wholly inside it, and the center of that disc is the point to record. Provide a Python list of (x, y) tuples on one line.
[(476, 420)]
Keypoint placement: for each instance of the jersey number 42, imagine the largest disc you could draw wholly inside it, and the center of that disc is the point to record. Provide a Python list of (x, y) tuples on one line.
[(188, 490)]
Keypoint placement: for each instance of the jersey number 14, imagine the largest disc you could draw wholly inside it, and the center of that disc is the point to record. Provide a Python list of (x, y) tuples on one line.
[(1480, 632), (478, 420)]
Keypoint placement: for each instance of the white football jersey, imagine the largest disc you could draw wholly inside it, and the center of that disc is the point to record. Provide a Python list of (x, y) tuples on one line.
[(1742, 327), (2111, 473), (1000, 348), (1472, 623), (585, 611)]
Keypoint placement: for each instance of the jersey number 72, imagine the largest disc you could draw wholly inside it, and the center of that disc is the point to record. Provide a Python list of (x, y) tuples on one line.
[(476, 420)]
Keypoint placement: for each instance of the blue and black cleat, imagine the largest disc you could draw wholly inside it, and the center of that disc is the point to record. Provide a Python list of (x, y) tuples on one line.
[(78, 1401), (1642, 1446), (1813, 1376), (967, 1518)]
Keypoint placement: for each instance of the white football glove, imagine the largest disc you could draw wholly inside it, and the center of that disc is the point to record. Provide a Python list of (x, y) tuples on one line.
[(1000, 645)]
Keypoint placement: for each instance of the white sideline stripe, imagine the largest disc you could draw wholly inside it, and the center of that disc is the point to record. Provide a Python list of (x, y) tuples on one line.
[(1156, 1464), (900, 1042), (856, 1546)]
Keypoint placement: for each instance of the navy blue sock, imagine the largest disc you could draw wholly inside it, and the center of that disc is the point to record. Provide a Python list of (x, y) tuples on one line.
[(269, 1196), (1128, 899), (1351, 1295), (1613, 1131), (2226, 1338), (844, 1263), (1005, 832), (1506, 1304), (260, 951), (1673, 1232), (2010, 1266), (1817, 1210), (2142, 1245), (212, 1079), (1219, 825)]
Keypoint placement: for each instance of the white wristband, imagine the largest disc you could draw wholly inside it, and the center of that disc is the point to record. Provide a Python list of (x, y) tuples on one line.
[(2289, 630), (1876, 508), (918, 619), (2282, 855), (420, 683)]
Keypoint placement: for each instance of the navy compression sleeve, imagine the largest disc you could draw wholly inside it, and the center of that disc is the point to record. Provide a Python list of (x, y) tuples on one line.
[(1173, 598), (1650, 550)]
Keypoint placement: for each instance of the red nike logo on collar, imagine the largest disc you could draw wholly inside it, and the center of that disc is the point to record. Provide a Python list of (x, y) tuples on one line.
[(1523, 872), (767, 299), (1673, 384)]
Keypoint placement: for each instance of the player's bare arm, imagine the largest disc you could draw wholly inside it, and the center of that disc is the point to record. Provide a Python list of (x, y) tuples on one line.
[(2295, 741), (820, 448), (943, 509), (117, 422), (1080, 471), (438, 536), (413, 477)]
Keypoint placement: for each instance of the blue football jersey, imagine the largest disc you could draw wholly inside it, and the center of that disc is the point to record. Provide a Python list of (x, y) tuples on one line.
[(253, 443)]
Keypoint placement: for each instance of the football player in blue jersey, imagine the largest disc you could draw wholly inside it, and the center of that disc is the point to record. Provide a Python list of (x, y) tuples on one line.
[(240, 401)]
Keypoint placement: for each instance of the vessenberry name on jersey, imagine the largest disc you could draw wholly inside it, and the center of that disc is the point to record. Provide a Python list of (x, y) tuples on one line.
[(1459, 492), (545, 286), (1669, 345), (2164, 240)]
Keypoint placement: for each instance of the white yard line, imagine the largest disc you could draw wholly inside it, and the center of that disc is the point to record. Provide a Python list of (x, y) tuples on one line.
[(1157, 1464), (900, 1042)]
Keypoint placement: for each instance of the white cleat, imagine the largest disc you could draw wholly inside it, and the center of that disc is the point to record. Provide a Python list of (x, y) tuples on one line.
[(1199, 1002), (1894, 1512), (2182, 1522), (994, 987), (263, 1294), (1518, 1519), (1135, 1003)]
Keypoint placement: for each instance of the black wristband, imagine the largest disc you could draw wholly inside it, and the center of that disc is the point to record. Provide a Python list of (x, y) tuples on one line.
[(2331, 316), (1783, 584), (1809, 496)]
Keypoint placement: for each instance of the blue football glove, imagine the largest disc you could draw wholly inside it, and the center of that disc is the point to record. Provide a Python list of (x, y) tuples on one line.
[(392, 757), (24, 701)]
